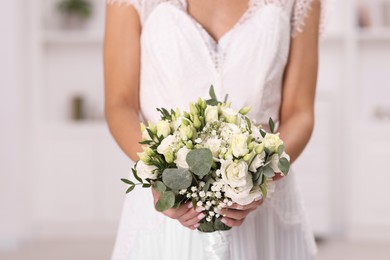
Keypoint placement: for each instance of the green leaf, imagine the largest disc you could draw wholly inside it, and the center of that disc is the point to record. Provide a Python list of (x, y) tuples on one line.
[(268, 171), (263, 133), (159, 186), (263, 188), (136, 175), (146, 185), (248, 122), (177, 178), (200, 161), (127, 181), (271, 125), (206, 227), (166, 201), (207, 185), (130, 189), (226, 98), (284, 165), (219, 225), (212, 93), (257, 176), (280, 149), (212, 102)]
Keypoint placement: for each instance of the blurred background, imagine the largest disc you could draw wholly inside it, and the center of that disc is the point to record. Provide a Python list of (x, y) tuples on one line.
[(60, 194)]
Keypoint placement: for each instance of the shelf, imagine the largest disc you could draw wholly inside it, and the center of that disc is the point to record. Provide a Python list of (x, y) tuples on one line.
[(72, 37), (374, 34)]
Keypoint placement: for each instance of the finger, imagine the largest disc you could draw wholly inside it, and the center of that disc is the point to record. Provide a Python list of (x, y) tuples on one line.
[(277, 176), (232, 222), (252, 205), (194, 220), (177, 213), (234, 213), (192, 213)]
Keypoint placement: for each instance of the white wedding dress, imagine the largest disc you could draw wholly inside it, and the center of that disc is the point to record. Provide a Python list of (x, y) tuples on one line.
[(179, 62)]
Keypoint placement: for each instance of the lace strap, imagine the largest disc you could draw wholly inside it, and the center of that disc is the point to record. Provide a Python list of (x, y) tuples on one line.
[(300, 11)]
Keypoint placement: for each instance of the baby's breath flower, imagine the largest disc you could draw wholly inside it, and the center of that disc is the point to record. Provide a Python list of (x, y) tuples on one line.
[(230, 203), (209, 194), (194, 195), (199, 203), (218, 194), (198, 140), (202, 194), (201, 184), (188, 195), (208, 203), (208, 219), (211, 213)]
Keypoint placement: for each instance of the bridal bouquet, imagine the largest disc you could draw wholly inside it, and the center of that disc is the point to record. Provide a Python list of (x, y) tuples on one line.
[(211, 155)]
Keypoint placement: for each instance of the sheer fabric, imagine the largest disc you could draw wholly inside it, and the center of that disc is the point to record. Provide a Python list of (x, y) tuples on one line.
[(180, 61)]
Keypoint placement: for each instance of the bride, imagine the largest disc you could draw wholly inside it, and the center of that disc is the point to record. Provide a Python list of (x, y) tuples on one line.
[(166, 53)]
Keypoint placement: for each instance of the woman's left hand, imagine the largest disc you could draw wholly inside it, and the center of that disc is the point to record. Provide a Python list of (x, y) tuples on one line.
[(235, 215)]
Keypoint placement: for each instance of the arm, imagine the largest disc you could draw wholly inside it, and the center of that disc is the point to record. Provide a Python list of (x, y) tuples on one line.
[(121, 75), (297, 108)]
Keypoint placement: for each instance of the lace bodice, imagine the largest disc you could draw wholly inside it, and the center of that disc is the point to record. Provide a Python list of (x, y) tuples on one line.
[(296, 8)]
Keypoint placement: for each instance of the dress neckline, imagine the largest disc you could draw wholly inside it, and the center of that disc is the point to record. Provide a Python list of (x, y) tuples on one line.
[(217, 42)]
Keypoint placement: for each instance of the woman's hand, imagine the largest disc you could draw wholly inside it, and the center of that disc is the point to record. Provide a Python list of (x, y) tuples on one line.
[(277, 176), (235, 215), (185, 214)]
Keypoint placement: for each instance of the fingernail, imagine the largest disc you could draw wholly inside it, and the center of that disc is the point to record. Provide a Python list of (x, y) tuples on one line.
[(217, 211), (189, 205), (199, 209), (196, 225), (201, 216), (223, 220)]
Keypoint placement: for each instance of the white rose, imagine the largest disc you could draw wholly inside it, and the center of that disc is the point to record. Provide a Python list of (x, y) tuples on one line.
[(235, 174), (272, 142), (214, 145), (230, 114), (244, 196), (211, 113), (181, 158), (145, 171), (163, 128), (239, 145), (166, 144), (257, 162)]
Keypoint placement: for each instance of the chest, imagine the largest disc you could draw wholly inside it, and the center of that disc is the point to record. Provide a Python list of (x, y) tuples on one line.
[(217, 17)]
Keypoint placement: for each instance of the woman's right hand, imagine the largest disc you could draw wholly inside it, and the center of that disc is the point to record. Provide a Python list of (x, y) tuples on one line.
[(185, 214)]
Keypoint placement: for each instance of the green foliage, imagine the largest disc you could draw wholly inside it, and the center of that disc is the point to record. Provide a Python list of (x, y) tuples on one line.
[(82, 8), (280, 149), (166, 201), (219, 225), (271, 125), (284, 165), (206, 227), (268, 171), (177, 178), (200, 161), (159, 186)]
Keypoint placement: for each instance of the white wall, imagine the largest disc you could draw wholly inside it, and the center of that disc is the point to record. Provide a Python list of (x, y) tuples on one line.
[(14, 137)]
